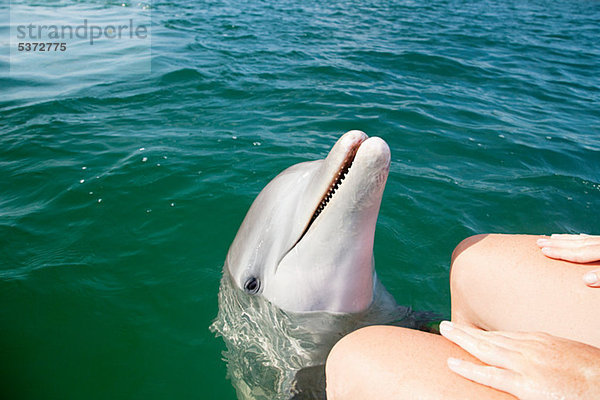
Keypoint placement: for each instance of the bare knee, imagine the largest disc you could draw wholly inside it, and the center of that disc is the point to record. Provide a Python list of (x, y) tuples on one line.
[(482, 267), (386, 362), (341, 369), (465, 258), (363, 364), (466, 244), (470, 259), (336, 369)]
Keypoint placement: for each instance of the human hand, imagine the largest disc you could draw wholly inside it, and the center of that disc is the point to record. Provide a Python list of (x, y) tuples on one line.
[(575, 248), (530, 366)]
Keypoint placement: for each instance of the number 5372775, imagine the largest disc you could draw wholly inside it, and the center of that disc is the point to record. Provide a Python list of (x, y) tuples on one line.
[(42, 46)]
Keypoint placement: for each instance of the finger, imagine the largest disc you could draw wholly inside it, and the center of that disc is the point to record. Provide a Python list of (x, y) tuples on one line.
[(480, 347), (580, 255), (506, 340), (519, 336), (516, 341), (569, 243), (592, 278), (512, 340), (569, 236), (497, 378)]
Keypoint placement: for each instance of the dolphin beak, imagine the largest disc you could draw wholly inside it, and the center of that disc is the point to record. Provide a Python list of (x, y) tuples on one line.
[(334, 170), (335, 223)]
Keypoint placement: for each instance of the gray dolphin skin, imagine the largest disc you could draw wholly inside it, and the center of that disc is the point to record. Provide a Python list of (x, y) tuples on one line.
[(300, 274)]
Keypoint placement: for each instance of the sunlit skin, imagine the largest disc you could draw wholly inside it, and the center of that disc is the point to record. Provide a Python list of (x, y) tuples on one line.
[(506, 291), (530, 366), (580, 248)]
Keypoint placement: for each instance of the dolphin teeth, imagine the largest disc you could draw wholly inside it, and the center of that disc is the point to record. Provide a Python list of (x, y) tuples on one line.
[(338, 178)]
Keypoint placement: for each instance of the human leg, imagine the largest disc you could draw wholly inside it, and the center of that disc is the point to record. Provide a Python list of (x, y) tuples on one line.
[(504, 282), (498, 282), (386, 362)]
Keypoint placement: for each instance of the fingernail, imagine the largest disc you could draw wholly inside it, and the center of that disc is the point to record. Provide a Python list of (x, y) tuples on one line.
[(453, 362), (590, 278), (542, 242), (446, 326)]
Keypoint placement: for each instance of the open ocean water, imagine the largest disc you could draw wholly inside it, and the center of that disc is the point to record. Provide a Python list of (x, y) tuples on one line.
[(120, 192)]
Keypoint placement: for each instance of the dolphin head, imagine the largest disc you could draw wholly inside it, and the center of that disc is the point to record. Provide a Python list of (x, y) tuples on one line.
[(306, 244)]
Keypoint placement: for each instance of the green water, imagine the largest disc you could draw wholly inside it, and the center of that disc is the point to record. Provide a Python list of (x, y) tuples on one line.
[(108, 286)]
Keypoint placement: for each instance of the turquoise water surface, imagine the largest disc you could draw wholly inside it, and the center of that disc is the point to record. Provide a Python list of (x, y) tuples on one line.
[(121, 189)]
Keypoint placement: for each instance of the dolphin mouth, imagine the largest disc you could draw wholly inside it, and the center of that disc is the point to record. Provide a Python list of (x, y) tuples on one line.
[(336, 182)]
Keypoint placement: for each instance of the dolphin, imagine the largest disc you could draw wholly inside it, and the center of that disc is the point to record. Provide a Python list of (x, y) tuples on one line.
[(300, 274)]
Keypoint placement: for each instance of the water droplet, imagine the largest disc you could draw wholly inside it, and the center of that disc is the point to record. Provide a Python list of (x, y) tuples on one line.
[(158, 165), (501, 136), (81, 180), (234, 137), (144, 159), (172, 204), (256, 143), (91, 192), (83, 167), (148, 210), (142, 148), (99, 200)]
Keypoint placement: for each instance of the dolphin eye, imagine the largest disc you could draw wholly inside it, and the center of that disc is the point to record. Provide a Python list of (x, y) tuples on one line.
[(252, 285)]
